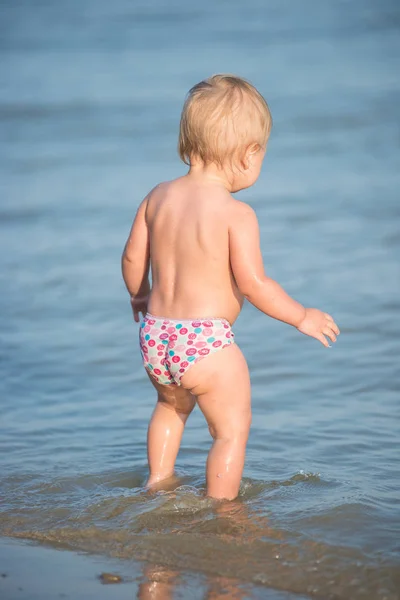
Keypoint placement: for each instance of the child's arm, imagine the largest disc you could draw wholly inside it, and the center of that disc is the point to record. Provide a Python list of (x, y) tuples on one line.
[(262, 291), (136, 263)]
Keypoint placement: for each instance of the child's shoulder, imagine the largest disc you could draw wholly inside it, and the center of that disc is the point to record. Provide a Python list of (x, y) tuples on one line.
[(242, 212), (163, 187)]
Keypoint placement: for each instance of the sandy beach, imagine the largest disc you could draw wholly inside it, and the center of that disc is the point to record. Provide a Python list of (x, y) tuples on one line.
[(32, 572)]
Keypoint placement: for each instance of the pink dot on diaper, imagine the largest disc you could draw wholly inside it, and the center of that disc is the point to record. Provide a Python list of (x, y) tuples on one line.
[(192, 336), (163, 361), (171, 329), (217, 344), (201, 344), (184, 364), (228, 335), (207, 331), (183, 331), (166, 373), (204, 351), (207, 324), (171, 345), (181, 370), (144, 349), (151, 343), (176, 359), (147, 329), (189, 342), (196, 323), (226, 326), (160, 347), (151, 321), (163, 336), (160, 353), (163, 327), (191, 351), (157, 371), (173, 337)]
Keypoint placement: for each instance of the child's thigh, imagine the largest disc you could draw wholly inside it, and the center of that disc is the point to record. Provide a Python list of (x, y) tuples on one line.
[(175, 397), (221, 383)]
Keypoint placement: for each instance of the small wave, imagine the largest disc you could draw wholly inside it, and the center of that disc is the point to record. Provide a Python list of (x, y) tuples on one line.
[(178, 527)]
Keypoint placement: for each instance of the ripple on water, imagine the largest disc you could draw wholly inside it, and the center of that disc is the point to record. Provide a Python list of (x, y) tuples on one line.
[(177, 527)]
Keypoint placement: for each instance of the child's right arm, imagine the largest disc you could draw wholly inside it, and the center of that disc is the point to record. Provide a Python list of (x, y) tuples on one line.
[(262, 291)]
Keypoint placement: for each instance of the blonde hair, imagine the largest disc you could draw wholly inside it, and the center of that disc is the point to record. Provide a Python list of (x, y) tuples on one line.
[(222, 116)]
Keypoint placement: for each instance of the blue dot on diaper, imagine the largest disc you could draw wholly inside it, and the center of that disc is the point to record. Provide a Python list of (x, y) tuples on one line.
[(191, 358), (143, 325), (171, 352), (198, 330), (179, 325), (211, 339), (149, 366), (147, 337)]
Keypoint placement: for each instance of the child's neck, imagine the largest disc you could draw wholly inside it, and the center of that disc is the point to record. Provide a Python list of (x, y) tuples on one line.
[(211, 173)]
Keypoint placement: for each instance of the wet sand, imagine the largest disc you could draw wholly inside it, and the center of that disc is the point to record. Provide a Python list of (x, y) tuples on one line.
[(32, 572)]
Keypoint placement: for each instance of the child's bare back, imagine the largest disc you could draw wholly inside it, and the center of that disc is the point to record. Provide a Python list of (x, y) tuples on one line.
[(188, 222), (203, 249)]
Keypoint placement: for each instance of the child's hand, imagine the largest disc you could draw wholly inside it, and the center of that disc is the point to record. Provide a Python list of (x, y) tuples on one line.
[(139, 305), (318, 324)]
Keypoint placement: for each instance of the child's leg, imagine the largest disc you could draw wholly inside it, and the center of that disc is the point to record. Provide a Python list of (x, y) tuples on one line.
[(165, 431), (222, 385)]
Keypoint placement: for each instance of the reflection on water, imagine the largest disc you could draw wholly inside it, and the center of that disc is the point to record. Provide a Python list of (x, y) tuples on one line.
[(90, 97), (161, 583)]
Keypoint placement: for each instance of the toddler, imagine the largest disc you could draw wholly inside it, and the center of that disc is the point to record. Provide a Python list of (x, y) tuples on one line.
[(203, 248)]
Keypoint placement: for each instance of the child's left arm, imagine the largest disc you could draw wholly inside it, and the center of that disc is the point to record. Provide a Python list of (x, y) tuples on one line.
[(136, 263)]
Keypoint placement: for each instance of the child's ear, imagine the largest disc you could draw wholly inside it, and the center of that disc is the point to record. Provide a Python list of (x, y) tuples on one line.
[(249, 153)]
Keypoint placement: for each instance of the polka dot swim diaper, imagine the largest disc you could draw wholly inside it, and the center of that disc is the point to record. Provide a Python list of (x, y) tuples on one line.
[(170, 346)]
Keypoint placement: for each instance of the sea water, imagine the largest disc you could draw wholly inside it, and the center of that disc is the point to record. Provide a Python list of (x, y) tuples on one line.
[(91, 93)]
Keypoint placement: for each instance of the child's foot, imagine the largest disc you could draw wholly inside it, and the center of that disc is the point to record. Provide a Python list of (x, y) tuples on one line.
[(167, 484)]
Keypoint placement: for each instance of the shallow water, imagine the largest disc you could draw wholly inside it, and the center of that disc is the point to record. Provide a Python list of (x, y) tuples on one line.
[(90, 99)]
